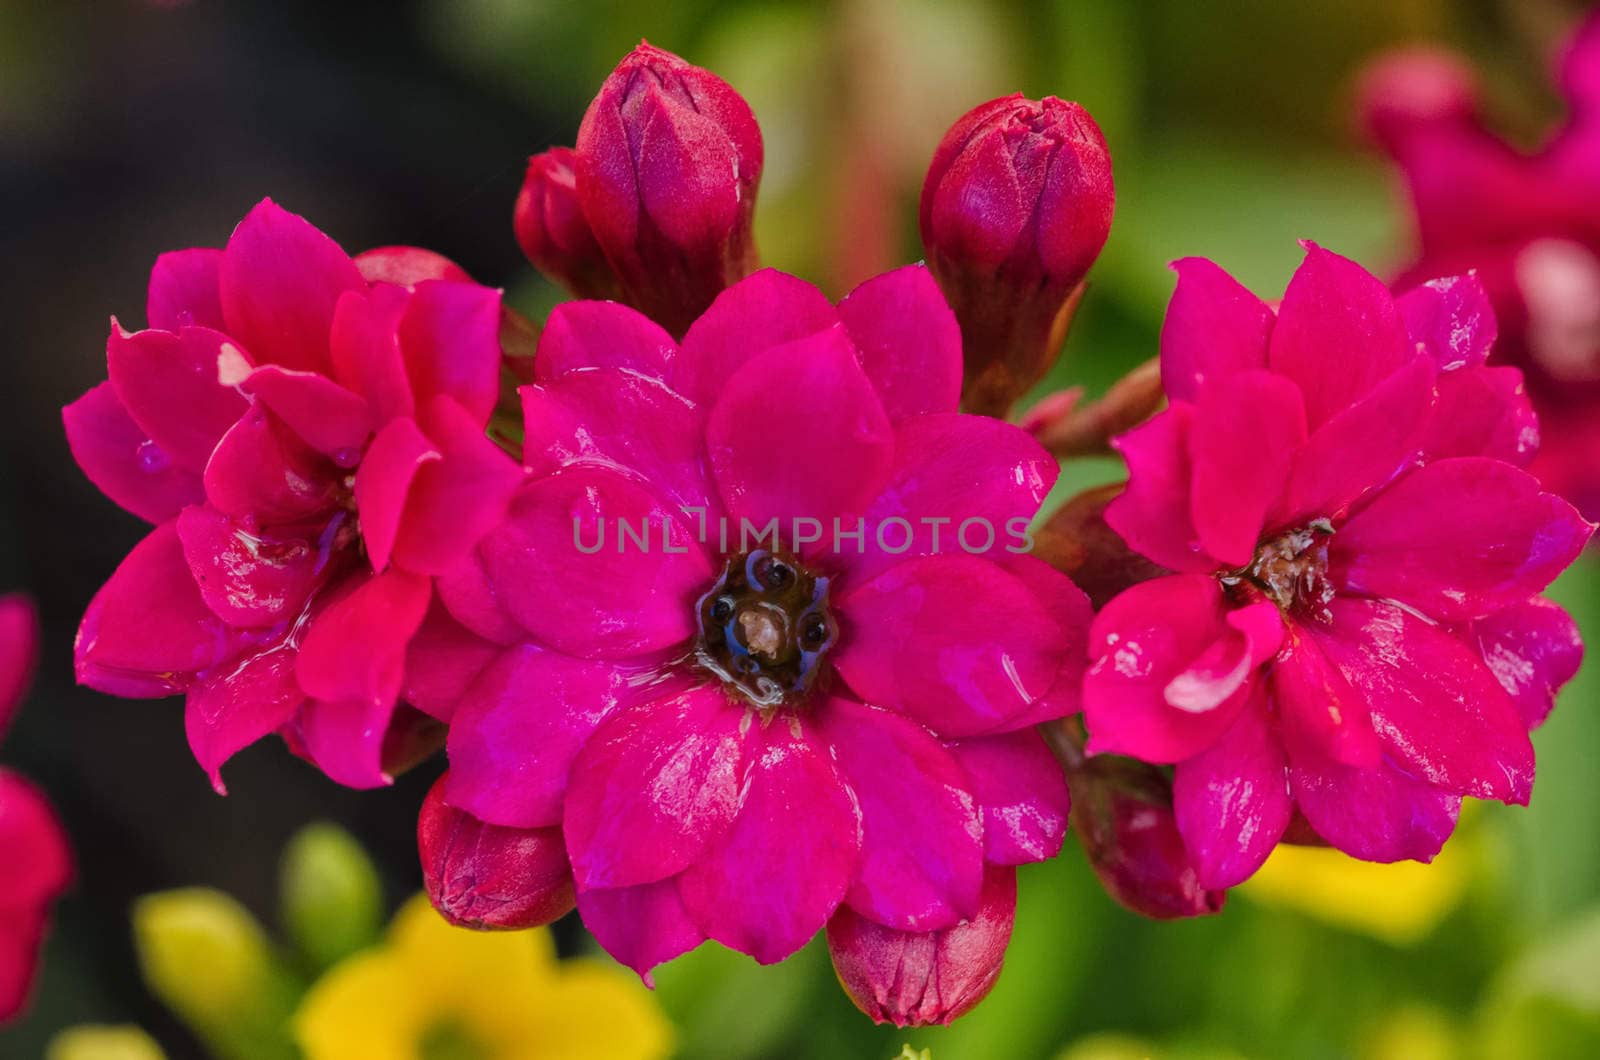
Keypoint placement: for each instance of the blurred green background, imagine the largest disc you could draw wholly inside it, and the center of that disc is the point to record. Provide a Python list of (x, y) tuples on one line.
[(128, 128)]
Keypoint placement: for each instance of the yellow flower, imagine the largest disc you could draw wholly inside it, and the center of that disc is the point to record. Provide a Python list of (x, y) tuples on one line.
[(1399, 903), (92, 1042), (436, 991)]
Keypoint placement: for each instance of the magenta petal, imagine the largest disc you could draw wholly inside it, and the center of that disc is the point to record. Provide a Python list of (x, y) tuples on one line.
[(1152, 513), (123, 462), (1451, 319), (1458, 539), (781, 870), (185, 290), (247, 580), (922, 833), (366, 350), (1320, 714), (442, 659), (263, 474), (38, 861), (655, 787), (602, 335), (19, 653), (466, 591), (618, 417), (909, 341), (453, 502), (1070, 607), (798, 432), (1437, 710), (1483, 412), (763, 310), (587, 594), (960, 484), (383, 483), (147, 631), (1232, 801), (1022, 792), (1532, 648), (168, 383), (954, 642), (1362, 447), (326, 416), (517, 729), (1377, 814), (1243, 436), (450, 339), (640, 926), (1253, 635), (1214, 329), (280, 280), (405, 266), (1141, 640), (355, 649), (1338, 334), (235, 705)]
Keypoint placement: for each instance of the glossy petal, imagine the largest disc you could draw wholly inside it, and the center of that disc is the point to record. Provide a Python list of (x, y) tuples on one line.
[(247, 580), (1232, 800), (602, 335), (280, 280), (798, 431), (450, 340), (1320, 714), (1022, 792), (640, 926), (1214, 329), (1483, 412), (119, 458), (327, 417), (562, 568), (1458, 539), (466, 591), (1152, 513), (909, 341), (1451, 319), (383, 484), (1437, 710), (263, 475), (233, 706), (518, 728), (168, 383), (1377, 814), (147, 631), (1338, 334), (921, 863), (782, 868), (1532, 648), (442, 660), (366, 355), (766, 309), (185, 290), (654, 788), (954, 642), (1242, 438)]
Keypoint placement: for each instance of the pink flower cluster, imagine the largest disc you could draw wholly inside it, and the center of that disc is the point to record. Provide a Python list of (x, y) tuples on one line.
[(1329, 624)]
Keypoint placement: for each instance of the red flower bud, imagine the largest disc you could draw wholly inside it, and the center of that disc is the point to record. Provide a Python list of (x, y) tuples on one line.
[(552, 230), (485, 876), (1122, 814), (912, 979), (1016, 207), (667, 163)]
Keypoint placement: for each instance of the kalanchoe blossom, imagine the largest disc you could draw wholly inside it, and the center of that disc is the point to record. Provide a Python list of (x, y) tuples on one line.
[(1351, 627), (1015, 208), (1528, 223), (666, 167), (307, 433), (553, 232), (33, 846), (746, 740)]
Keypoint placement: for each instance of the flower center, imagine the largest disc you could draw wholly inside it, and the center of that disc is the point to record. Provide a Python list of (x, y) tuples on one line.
[(765, 628), (1292, 570)]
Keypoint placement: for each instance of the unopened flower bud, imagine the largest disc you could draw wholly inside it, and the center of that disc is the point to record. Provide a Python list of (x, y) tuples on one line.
[(667, 164), (487, 876), (1015, 209), (1122, 814), (332, 899), (553, 232), (1077, 541), (911, 978)]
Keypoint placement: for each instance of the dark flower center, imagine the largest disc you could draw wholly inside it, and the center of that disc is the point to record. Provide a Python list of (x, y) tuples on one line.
[(765, 628), (1291, 570)]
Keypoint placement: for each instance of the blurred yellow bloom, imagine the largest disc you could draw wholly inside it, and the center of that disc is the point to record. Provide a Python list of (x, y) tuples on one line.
[(90, 1042), (1399, 903), (436, 991)]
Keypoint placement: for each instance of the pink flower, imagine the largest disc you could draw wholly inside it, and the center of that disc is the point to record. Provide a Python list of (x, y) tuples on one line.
[(1528, 223), (1351, 627), (745, 740), (307, 433), (1015, 208), (553, 232), (665, 171), (33, 846)]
